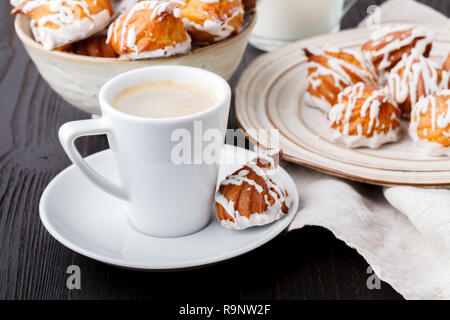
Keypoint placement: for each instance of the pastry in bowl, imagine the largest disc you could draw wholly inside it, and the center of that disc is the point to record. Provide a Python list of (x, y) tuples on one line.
[(254, 195), (430, 124), (364, 116), (58, 23), (95, 46), (210, 21), (149, 29), (330, 71), (414, 77), (386, 47)]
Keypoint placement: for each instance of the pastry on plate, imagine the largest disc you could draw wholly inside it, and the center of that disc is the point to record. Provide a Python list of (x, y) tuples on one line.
[(95, 46), (364, 116), (386, 47), (149, 29), (210, 21), (413, 77), (254, 195), (330, 71), (55, 23), (430, 124)]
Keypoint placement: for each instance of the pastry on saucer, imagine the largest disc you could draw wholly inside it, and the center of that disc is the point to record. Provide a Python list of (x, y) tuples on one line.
[(55, 23), (330, 71), (150, 29), (386, 47), (430, 124), (254, 195), (414, 77), (95, 46), (210, 21), (364, 116)]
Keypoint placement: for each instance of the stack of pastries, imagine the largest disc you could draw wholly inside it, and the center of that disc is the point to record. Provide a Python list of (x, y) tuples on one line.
[(131, 29), (366, 92)]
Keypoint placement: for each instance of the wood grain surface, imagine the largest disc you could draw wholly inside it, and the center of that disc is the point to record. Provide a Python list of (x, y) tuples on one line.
[(304, 264)]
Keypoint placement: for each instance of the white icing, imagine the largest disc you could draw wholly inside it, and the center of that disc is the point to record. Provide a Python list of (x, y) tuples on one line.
[(342, 112), (395, 44), (217, 28), (275, 188), (439, 120), (415, 67), (70, 29), (178, 48), (16, 3), (127, 33), (337, 69)]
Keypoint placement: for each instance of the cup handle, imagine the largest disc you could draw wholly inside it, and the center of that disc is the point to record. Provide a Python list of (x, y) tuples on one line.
[(71, 131)]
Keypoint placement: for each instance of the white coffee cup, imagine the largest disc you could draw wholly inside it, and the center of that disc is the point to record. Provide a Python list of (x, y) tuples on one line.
[(165, 199)]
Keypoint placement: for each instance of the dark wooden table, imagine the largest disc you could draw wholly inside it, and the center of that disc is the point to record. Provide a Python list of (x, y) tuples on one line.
[(304, 264)]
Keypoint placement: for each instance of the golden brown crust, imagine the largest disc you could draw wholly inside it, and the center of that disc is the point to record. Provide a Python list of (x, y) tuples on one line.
[(374, 45), (94, 6), (222, 12), (359, 124), (247, 200), (353, 70), (151, 33), (94, 47), (426, 122), (414, 77)]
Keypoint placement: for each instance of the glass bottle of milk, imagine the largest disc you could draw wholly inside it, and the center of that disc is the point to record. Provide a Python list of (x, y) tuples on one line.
[(283, 21)]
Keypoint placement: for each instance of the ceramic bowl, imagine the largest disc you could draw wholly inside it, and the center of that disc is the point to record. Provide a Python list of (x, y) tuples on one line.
[(78, 79)]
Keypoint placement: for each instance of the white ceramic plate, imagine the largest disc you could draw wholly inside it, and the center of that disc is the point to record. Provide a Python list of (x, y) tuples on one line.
[(94, 224), (270, 95)]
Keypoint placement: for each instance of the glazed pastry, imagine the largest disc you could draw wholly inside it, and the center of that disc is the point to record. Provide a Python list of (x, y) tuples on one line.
[(386, 47), (364, 116), (212, 20), (149, 29), (331, 71), (413, 77), (121, 6), (430, 124), (253, 195), (55, 23), (94, 47)]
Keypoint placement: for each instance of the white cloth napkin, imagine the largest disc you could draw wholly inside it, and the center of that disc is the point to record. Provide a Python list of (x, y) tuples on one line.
[(402, 232)]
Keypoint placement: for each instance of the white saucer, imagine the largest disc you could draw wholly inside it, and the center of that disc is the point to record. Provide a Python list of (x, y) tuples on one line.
[(94, 224)]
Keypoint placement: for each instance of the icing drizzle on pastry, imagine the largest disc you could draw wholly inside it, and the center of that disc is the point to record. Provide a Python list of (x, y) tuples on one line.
[(409, 34), (69, 28), (430, 124), (379, 131), (127, 32), (219, 27), (415, 68), (273, 189)]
